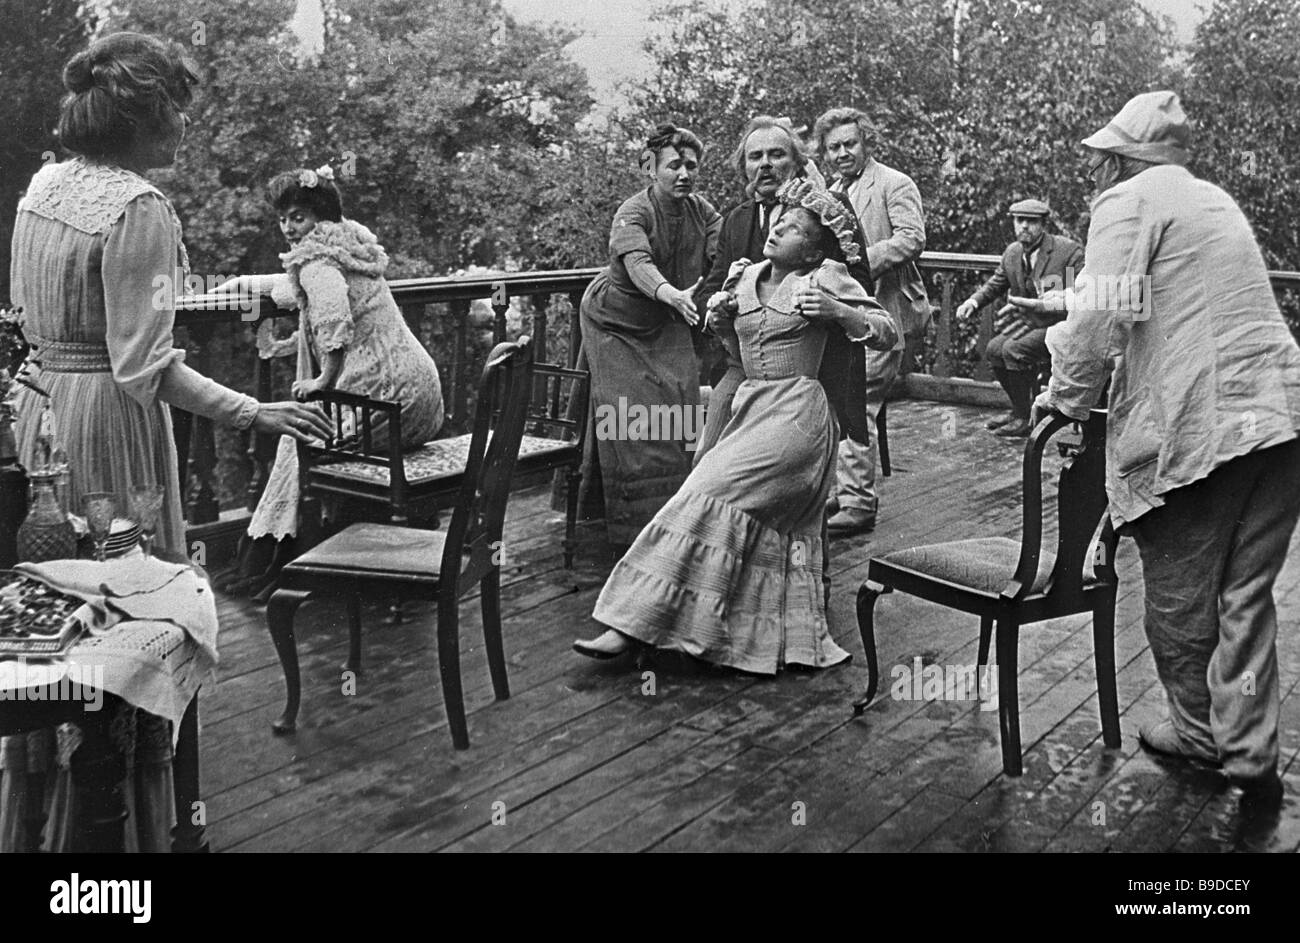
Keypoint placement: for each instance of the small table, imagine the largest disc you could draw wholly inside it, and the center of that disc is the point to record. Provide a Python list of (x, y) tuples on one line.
[(97, 768)]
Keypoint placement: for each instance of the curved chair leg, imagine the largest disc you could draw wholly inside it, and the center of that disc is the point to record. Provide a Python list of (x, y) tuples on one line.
[(867, 596), (353, 664), (490, 597), (279, 619), (986, 636), (449, 665), (1103, 647), (1008, 697)]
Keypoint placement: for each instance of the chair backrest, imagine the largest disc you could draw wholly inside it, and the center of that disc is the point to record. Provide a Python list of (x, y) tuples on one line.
[(364, 430), (1081, 504), (477, 521), (558, 408)]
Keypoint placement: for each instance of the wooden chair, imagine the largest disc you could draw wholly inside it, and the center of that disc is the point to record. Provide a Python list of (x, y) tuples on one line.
[(372, 559), (350, 472), (1014, 585)]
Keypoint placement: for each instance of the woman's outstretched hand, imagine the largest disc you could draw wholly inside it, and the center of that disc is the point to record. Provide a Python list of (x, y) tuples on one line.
[(683, 300), (303, 421)]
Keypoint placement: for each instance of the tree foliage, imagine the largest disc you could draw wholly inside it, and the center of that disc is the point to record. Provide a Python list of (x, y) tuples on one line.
[(438, 118), (37, 38), (981, 102), (1243, 96)]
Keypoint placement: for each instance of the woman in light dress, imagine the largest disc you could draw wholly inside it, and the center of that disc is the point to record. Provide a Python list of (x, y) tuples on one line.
[(97, 263), (351, 337), (730, 570)]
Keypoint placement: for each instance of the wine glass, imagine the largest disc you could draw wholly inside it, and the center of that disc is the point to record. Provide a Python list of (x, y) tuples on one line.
[(146, 508), (98, 507)]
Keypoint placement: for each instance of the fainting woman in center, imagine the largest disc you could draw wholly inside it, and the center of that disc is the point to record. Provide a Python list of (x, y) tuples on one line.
[(730, 570)]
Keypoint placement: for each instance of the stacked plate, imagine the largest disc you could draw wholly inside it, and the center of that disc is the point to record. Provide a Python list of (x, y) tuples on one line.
[(122, 538)]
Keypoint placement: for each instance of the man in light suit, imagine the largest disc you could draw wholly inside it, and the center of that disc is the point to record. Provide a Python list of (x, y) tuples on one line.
[(1037, 260), (888, 206)]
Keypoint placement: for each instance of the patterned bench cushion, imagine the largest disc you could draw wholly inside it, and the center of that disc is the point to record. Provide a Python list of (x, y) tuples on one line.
[(442, 458)]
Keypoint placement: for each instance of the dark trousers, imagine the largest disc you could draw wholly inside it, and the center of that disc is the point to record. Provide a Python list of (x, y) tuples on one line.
[(1210, 557), (1023, 353)]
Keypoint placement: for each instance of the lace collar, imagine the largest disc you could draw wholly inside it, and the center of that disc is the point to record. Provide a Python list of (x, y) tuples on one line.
[(348, 245), (90, 196)]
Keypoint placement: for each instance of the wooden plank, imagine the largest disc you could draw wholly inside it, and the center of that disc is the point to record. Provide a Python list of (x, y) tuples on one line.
[(582, 760)]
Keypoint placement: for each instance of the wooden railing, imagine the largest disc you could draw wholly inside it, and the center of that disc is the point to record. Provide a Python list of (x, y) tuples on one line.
[(433, 307), (443, 308)]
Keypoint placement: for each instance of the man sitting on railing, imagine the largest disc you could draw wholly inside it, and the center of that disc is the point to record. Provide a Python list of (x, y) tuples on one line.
[(1036, 259)]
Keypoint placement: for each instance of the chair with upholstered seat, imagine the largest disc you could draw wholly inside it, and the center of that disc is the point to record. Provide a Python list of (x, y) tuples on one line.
[(1012, 584), (393, 560), (412, 484)]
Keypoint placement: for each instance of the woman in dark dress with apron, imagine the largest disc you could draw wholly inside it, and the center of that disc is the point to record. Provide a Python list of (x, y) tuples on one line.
[(637, 316)]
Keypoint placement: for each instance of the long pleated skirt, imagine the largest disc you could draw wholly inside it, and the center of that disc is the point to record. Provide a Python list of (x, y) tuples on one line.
[(730, 569)]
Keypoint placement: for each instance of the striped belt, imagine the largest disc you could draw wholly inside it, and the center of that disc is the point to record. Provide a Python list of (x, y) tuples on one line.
[(72, 357)]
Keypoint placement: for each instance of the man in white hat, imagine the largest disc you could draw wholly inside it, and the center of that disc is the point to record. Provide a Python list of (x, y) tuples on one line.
[(1035, 261), (1203, 460)]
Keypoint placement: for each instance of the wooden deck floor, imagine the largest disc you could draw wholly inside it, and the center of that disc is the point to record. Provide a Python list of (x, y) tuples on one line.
[(582, 756)]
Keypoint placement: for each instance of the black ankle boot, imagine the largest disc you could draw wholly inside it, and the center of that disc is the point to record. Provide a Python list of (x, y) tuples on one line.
[(1019, 386)]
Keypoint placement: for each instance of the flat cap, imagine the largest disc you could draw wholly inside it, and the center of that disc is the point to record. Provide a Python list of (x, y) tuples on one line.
[(1150, 127), (1030, 208)]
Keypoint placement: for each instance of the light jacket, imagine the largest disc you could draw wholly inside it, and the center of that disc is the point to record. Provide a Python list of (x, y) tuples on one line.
[(888, 206), (1174, 302)]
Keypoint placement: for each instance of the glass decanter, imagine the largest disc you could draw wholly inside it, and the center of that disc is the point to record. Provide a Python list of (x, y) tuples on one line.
[(47, 533)]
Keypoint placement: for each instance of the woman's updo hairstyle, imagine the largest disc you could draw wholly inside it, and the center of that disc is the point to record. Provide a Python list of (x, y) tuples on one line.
[(122, 83), (322, 198), (667, 135)]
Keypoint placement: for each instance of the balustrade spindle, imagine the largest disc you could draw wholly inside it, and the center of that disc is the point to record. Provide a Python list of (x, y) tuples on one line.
[(540, 317), (575, 326), (460, 366), (261, 447), (500, 305), (203, 507), (982, 369)]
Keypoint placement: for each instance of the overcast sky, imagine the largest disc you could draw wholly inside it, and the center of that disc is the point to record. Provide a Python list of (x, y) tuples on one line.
[(611, 47)]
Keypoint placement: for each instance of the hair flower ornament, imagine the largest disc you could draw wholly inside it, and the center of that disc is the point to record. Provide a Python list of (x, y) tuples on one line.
[(802, 194), (312, 178)]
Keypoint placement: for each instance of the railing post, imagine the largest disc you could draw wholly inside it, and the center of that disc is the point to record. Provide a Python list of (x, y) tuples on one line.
[(203, 508), (500, 305), (539, 304), (943, 332), (982, 369), (575, 326), (459, 366), (261, 447)]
